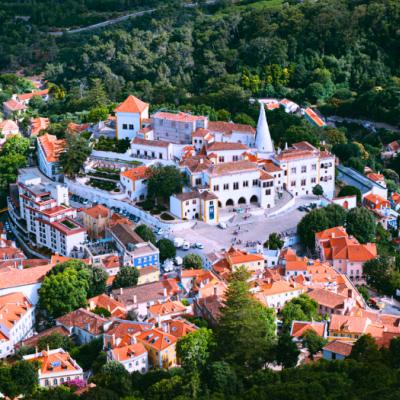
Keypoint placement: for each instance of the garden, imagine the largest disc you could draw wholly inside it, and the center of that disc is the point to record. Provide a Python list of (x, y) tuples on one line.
[(104, 185)]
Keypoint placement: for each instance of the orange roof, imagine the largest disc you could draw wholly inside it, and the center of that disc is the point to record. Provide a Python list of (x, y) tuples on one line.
[(236, 256), (314, 117), (51, 146), (327, 298), (375, 177), (11, 277), (179, 117), (337, 231), (169, 307), (74, 128), (128, 352), (27, 96), (83, 319), (54, 361), (275, 287), (226, 146), (116, 308), (12, 307), (157, 339), (377, 201), (111, 261), (136, 174), (98, 211), (349, 323), (178, 327), (300, 327), (13, 105), (201, 132), (39, 124), (232, 167), (396, 197), (132, 105)]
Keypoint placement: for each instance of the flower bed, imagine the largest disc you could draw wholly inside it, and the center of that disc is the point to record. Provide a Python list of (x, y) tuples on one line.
[(104, 185)]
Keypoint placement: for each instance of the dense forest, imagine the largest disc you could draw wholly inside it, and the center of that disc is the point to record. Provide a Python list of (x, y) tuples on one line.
[(342, 55)]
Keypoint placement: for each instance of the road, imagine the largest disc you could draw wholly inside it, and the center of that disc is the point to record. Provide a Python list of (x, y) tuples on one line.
[(117, 20), (377, 125)]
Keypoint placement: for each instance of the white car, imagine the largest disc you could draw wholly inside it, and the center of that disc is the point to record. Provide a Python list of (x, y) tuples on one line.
[(200, 245), (186, 246), (222, 225)]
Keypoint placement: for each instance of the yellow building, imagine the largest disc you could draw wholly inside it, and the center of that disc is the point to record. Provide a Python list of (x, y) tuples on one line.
[(161, 347), (148, 275)]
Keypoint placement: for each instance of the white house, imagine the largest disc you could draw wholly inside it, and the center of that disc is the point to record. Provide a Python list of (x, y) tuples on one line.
[(17, 319), (56, 367), (233, 133), (134, 181), (134, 357), (220, 152), (151, 149), (49, 149), (130, 115)]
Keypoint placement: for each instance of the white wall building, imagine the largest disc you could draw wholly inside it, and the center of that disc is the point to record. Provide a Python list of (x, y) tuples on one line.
[(56, 367), (151, 149), (17, 319), (130, 115), (133, 357), (134, 181), (49, 149)]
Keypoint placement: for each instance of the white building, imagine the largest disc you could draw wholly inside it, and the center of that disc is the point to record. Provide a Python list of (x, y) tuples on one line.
[(133, 357), (304, 167), (56, 367), (220, 152), (17, 319), (264, 145), (43, 205), (130, 115), (232, 132), (49, 149), (151, 149), (134, 181)]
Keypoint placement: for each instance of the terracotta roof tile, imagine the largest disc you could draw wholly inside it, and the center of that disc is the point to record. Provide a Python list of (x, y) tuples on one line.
[(132, 105)]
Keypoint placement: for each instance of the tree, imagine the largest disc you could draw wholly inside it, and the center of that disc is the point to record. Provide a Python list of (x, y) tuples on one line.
[(345, 151), (310, 224), (313, 342), (361, 224), (76, 153), (164, 181), (335, 214), (246, 329), (97, 281), (192, 261), (301, 308), (318, 190), (193, 350), (350, 191), (97, 114), (55, 341), (381, 273), (222, 378), (287, 352), (365, 349), (103, 312), (167, 249), (334, 136), (63, 292), (16, 145), (394, 352), (274, 241), (126, 277), (146, 233), (18, 378)]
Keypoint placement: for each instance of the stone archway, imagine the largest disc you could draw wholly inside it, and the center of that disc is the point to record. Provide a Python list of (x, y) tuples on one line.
[(254, 199), (242, 200), (229, 202)]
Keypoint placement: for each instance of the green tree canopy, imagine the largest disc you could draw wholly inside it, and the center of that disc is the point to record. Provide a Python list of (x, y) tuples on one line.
[(350, 191), (246, 329), (361, 224), (274, 241), (313, 342), (287, 352), (192, 261), (146, 233), (167, 249), (382, 274), (76, 153), (126, 277)]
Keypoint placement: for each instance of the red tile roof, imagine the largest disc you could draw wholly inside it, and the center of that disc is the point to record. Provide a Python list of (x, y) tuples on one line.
[(229, 127), (157, 339), (136, 174), (300, 327), (226, 146), (132, 105), (13, 105), (178, 117), (51, 146), (98, 211), (38, 125), (150, 143), (83, 319), (128, 352), (339, 347), (28, 96)]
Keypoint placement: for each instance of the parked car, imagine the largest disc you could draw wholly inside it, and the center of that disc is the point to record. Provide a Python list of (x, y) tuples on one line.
[(185, 246), (199, 245), (222, 225), (178, 242)]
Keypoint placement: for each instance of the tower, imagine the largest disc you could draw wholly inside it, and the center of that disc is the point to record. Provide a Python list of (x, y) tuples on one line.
[(264, 143)]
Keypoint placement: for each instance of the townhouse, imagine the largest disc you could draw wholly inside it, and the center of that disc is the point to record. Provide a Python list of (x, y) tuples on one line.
[(13, 108), (344, 252), (133, 249), (134, 182), (102, 301), (95, 220), (17, 321), (382, 210), (133, 357), (56, 367), (49, 149), (164, 311), (38, 125), (151, 149), (330, 303)]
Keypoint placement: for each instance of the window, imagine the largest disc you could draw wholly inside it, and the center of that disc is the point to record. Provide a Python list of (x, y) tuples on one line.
[(124, 126), (293, 183), (303, 169), (193, 201), (235, 185), (313, 180), (255, 182), (303, 182), (313, 167), (216, 188), (293, 170), (173, 124), (235, 158), (198, 181), (226, 186), (267, 191), (46, 382), (221, 159), (245, 183), (131, 127)]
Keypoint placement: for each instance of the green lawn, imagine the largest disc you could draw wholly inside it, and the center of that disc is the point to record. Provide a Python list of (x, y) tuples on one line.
[(261, 4)]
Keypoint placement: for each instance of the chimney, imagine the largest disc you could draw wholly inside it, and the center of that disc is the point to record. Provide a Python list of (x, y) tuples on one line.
[(134, 299), (113, 339), (349, 293), (215, 290), (165, 292), (121, 291)]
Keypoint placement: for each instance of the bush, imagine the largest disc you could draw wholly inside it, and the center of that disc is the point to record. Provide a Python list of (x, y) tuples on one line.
[(166, 217)]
